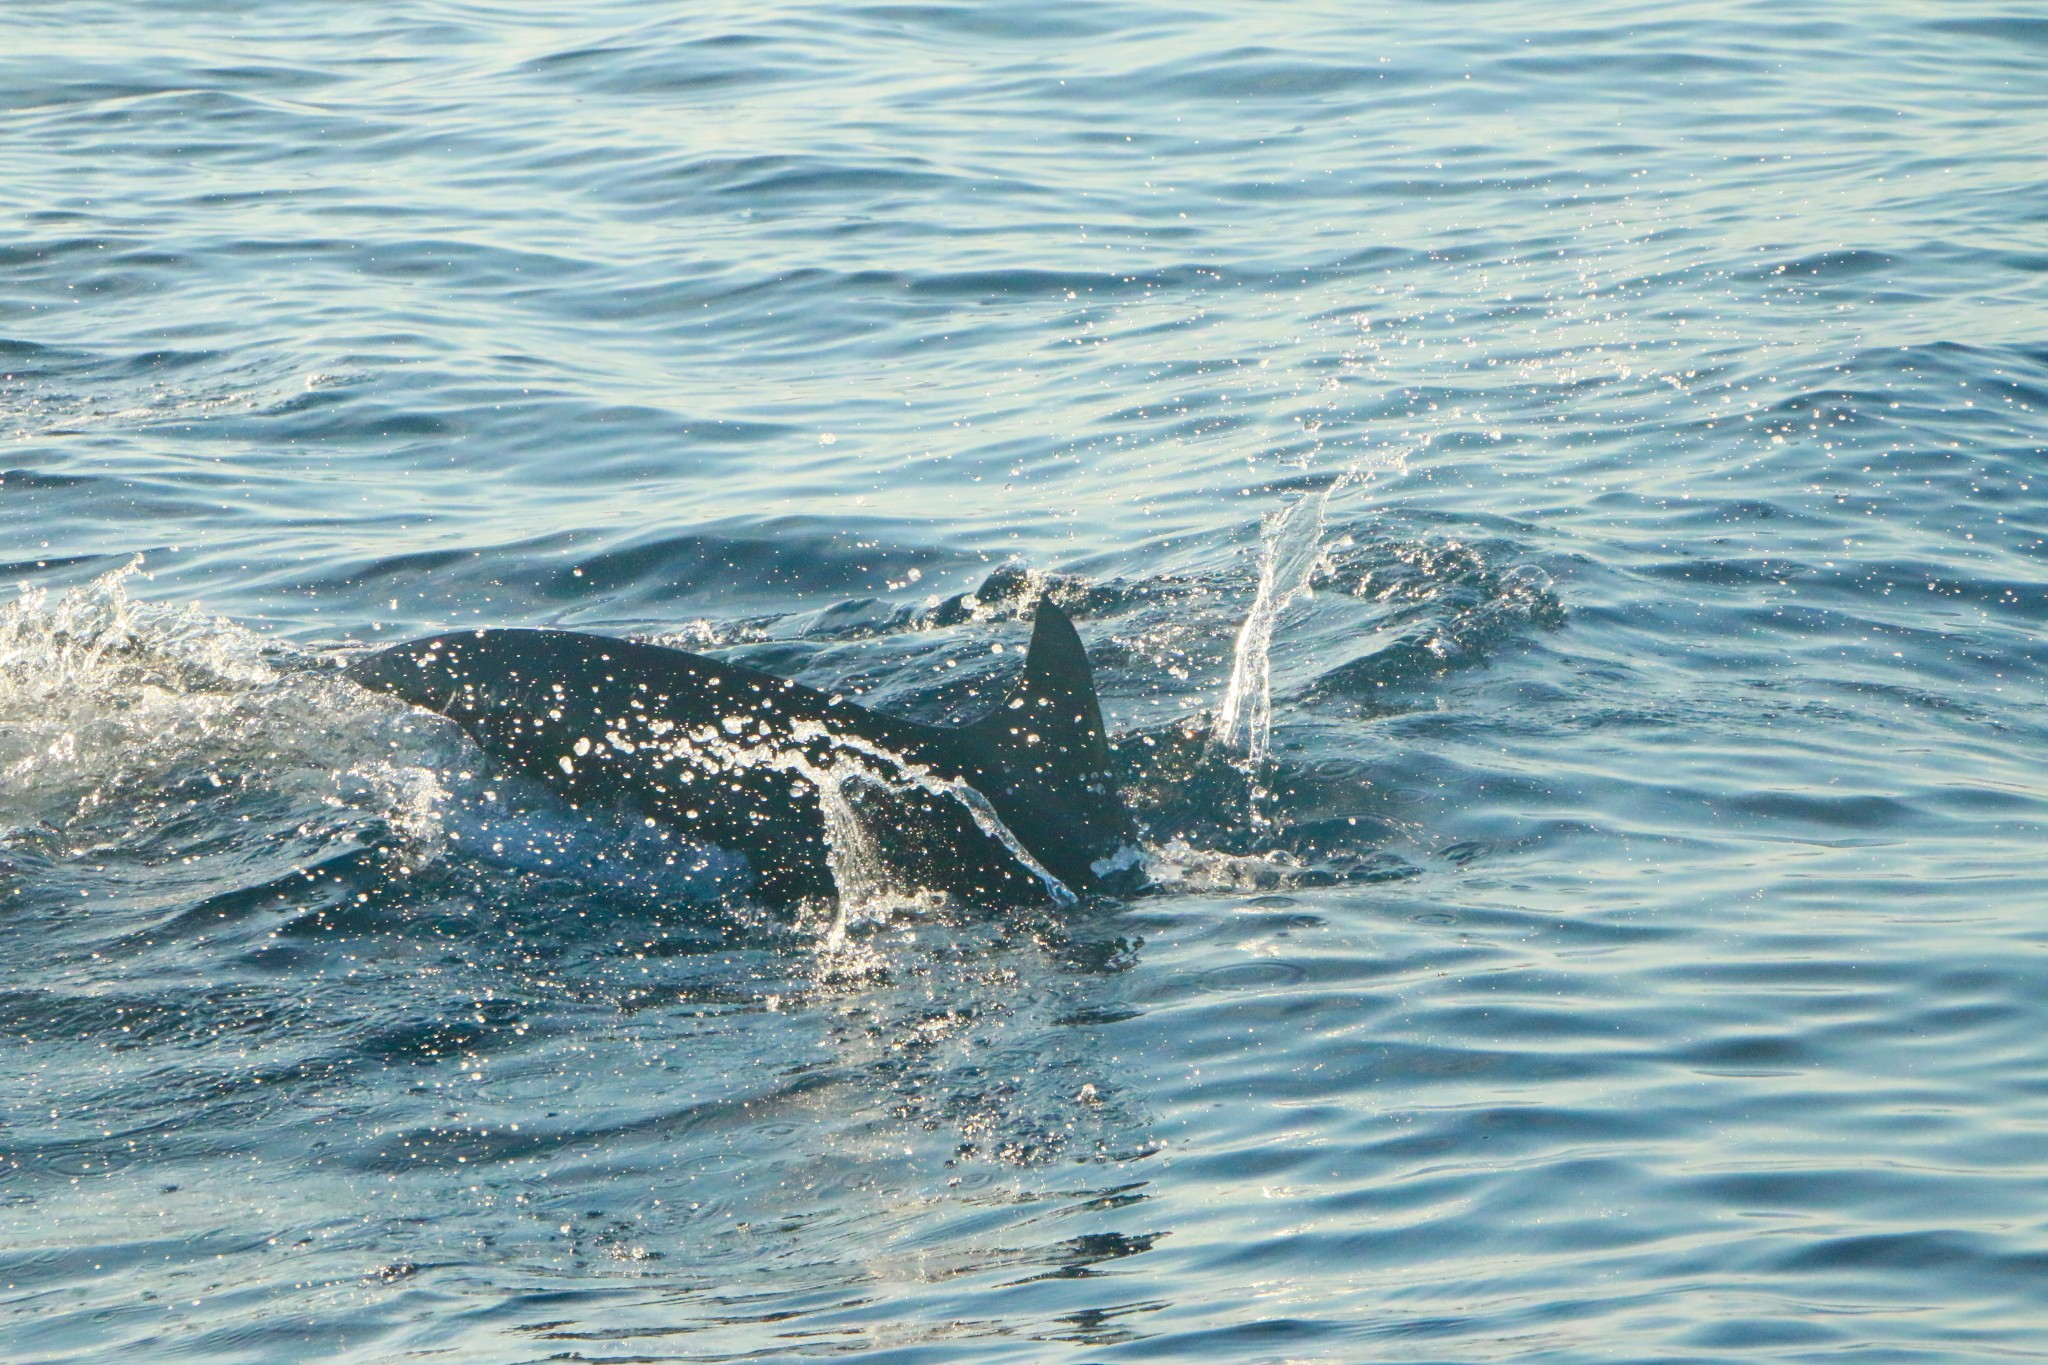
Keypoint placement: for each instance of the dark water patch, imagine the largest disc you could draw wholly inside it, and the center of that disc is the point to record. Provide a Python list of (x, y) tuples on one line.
[(27, 1268), (76, 88), (671, 574), (1278, 1333), (2012, 29), (664, 59), (58, 570), (33, 481), (774, 182), (299, 889), (1826, 265), (1099, 1016), (1888, 1255), (46, 1017), (1249, 73)]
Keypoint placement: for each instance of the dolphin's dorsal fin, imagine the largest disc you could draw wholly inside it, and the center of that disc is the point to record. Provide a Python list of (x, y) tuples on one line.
[(1054, 708), (1049, 755)]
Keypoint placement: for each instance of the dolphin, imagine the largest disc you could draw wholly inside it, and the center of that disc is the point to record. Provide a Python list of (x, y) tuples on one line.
[(1020, 805)]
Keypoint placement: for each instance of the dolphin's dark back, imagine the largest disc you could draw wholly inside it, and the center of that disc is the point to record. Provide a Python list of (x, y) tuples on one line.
[(733, 756)]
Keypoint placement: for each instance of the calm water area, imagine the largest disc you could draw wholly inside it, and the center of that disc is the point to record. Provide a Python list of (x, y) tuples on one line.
[(1550, 495)]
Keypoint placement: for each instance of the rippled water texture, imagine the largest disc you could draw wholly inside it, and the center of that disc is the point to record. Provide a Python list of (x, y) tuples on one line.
[(1590, 449)]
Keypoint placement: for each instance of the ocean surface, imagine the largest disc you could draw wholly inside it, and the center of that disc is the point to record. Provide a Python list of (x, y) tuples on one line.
[(1555, 497)]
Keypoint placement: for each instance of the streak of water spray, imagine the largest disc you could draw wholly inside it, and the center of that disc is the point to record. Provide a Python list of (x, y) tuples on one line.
[(1291, 543), (1291, 546)]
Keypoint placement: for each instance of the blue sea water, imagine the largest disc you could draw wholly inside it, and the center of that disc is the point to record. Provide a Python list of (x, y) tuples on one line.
[(1591, 452)]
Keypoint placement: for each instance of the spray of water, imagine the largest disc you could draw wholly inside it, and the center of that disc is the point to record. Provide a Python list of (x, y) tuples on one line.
[(177, 748), (1291, 544), (1291, 547)]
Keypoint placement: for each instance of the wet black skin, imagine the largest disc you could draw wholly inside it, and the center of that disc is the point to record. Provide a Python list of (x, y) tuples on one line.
[(686, 739)]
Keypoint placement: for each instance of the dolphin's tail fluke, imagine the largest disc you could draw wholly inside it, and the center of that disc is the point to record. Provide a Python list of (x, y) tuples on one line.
[(1045, 762)]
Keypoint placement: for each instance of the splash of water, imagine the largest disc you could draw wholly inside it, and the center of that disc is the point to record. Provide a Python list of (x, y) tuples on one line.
[(174, 746), (1291, 549), (1178, 865), (1291, 544), (852, 852)]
